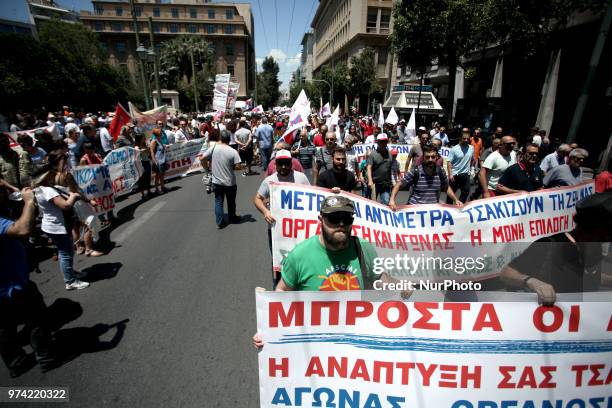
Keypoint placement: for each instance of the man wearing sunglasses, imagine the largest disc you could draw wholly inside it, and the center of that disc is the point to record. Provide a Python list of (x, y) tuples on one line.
[(496, 164), (333, 260), (568, 174), (524, 176)]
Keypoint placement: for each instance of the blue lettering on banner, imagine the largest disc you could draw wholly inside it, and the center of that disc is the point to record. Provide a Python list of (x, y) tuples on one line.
[(408, 218), (505, 209), (301, 200), (326, 397), (574, 403)]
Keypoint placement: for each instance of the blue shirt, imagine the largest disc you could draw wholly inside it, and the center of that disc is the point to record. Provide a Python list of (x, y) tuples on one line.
[(460, 158), (14, 262), (443, 137), (264, 136)]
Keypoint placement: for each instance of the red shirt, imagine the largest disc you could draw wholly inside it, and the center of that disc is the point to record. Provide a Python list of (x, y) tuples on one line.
[(603, 182), (318, 140)]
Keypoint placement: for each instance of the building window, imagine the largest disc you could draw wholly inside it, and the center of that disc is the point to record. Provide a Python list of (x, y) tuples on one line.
[(99, 10), (192, 28), (385, 18), (230, 70), (193, 13), (229, 49), (174, 13), (372, 18), (211, 29), (121, 48), (229, 14), (229, 29), (117, 26), (382, 56), (156, 28), (156, 12), (98, 26), (173, 28), (119, 11), (138, 11), (211, 13)]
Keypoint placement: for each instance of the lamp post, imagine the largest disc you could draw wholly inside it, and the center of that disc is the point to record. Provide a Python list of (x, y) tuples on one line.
[(142, 56), (322, 80), (193, 79), (155, 62), (331, 92)]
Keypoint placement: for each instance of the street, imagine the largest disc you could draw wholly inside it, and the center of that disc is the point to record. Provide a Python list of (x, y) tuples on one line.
[(185, 292)]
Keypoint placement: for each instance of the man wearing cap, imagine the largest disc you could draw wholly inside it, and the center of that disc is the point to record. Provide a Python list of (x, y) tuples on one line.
[(338, 177), (379, 169), (333, 260), (569, 261), (284, 173)]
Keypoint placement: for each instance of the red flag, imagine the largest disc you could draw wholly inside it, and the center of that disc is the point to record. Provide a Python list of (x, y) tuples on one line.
[(121, 118)]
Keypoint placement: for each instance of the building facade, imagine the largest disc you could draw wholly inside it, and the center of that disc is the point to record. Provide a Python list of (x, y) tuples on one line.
[(45, 10), (343, 28), (307, 57), (228, 27)]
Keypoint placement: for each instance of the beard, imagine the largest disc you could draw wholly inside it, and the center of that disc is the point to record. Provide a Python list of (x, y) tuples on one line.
[(338, 238)]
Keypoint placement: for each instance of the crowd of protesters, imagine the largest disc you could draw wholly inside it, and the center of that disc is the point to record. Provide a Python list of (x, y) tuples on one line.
[(35, 172)]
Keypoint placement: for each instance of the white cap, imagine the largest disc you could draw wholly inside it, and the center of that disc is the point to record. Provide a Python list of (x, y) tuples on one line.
[(283, 154), (382, 136), (422, 128)]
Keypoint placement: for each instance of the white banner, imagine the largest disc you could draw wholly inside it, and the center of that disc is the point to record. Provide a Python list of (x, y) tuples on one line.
[(125, 169), (181, 158), (96, 183), (221, 92), (503, 221), (341, 350)]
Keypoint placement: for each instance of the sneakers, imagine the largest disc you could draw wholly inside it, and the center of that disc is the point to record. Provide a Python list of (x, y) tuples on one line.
[(77, 284)]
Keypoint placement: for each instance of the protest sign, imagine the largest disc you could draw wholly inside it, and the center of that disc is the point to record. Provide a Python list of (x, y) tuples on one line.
[(124, 168), (488, 228), (181, 158), (232, 94), (96, 183), (222, 83), (361, 150), (341, 350), (147, 120)]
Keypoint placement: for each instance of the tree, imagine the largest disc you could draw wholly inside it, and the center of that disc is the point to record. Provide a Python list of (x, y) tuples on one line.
[(62, 67), (176, 69), (362, 74), (268, 84)]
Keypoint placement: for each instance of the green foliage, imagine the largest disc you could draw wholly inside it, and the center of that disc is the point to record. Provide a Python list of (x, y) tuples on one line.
[(63, 66), (176, 69), (362, 73), (268, 92)]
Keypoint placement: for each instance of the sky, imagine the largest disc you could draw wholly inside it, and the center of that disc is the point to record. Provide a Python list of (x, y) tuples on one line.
[(279, 28)]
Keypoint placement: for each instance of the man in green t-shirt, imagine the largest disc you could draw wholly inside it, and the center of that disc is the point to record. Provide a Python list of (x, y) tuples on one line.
[(331, 260)]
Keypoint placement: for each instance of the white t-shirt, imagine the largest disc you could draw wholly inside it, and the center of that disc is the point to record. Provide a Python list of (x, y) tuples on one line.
[(53, 218), (180, 136), (106, 139), (497, 164)]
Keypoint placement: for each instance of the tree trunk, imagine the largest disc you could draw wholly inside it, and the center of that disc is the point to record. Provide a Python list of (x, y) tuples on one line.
[(452, 77)]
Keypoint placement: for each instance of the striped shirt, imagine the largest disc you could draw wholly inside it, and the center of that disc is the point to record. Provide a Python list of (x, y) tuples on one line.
[(426, 189), (305, 154)]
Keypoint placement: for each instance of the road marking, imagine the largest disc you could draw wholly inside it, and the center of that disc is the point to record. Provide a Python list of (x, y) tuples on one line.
[(134, 225)]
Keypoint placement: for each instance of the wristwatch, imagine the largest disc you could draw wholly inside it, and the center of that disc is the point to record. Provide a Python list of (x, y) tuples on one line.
[(526, 279)]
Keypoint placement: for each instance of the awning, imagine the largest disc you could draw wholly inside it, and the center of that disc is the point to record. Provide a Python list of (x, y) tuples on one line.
[(407, 100)]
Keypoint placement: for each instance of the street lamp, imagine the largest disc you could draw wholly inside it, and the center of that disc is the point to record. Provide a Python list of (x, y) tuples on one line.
[(142, 53), (322, 80), (155, 62)]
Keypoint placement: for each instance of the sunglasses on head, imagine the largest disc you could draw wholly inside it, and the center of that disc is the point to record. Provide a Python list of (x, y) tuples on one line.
[(340, 217)]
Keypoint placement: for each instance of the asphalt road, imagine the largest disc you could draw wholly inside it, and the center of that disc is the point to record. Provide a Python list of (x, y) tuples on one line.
[(179, 297)]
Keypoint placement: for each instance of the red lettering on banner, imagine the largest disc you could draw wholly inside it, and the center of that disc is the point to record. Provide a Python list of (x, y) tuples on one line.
[(426, 315), (548, 372), (388, 367), (456, 311), (476, 237), (333, 308), (426, 372), (467, 376), (334, 368), (383, 314), (105, 203), (273, 367), (352, 314), (448, 373), (579, 369), (315, 368), (527, 378), (609, 324), (294, 317), (291, 228), (549, 226), (583, 370), (595, 368), (405, 368), (487, 318), (574, 320), (506, 371), (400, 243), (360, 370), (508, 233), (538, 319), (186, 161)]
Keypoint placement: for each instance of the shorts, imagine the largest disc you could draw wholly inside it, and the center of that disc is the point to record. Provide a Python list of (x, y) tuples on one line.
[(246, 155)]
